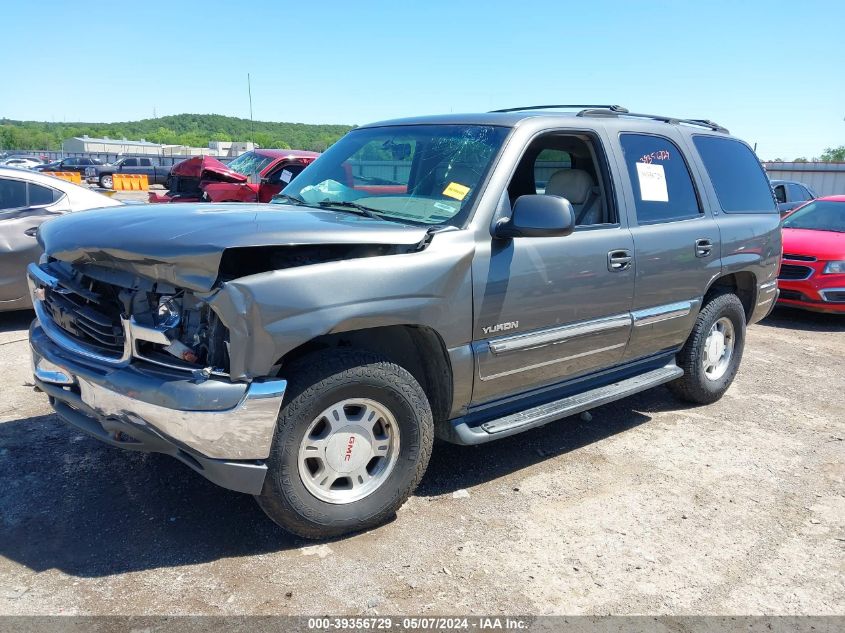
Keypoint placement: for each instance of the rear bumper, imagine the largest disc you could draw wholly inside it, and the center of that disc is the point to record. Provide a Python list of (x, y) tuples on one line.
[(220, 429)]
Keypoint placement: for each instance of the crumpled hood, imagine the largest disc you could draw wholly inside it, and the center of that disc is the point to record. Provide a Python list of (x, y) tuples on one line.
[(201, 166), (183, 244)]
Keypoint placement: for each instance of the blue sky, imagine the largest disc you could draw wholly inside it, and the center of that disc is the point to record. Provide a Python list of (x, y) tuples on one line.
[(772, 72)]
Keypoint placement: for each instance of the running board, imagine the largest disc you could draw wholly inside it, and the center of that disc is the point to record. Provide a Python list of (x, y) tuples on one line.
[(545, 413)]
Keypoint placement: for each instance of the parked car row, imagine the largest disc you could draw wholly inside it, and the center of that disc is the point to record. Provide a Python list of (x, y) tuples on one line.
[(254, 176), (21, 161)]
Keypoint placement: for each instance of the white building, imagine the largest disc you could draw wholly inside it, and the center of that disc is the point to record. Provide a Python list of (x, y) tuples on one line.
[(109, 146), (86, 144)]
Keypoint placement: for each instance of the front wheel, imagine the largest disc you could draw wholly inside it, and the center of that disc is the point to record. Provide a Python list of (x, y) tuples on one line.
[(352, 442), (710, 358), (106, 182)]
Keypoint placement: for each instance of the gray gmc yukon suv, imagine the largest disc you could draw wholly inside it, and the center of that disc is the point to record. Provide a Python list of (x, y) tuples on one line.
[(466, 277)]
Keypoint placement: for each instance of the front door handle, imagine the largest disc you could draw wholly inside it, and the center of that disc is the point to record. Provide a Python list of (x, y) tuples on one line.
[(618, 261), (703, 247), (31, 232)]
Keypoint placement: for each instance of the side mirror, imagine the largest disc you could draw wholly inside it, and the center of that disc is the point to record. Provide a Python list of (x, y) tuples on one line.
[(537, 216)]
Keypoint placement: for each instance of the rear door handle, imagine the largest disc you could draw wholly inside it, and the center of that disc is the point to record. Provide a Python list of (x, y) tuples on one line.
[(31, 231), (703, 247), (618, 261)]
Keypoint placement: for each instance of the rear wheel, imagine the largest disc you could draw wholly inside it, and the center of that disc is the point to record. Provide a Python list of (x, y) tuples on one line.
[(710, 358), (352, 442)]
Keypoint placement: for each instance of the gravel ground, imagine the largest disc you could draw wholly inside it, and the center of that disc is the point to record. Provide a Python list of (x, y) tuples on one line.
[(649, 508)]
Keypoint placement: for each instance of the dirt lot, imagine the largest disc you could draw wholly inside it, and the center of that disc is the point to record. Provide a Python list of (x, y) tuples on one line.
[(651, 507)]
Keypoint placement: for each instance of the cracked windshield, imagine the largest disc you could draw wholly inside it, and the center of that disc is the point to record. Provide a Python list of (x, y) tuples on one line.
[(425, 174)]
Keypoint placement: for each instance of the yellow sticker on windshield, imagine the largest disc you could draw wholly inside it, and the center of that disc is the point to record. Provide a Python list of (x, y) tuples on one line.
[(456, 190)]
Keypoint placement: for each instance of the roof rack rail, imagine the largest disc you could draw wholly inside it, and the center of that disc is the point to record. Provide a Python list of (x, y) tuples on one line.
[(601, 111), (612, 108)]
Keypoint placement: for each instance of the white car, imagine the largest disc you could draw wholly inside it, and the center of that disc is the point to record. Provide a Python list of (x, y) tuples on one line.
[(24, 162), (27, 199)]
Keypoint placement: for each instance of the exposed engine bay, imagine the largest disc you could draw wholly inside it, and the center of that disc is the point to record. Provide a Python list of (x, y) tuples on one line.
[(93, 304)]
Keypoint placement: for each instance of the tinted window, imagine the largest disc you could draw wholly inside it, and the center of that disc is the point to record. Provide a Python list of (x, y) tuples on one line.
[(663, 189), (70, 162), (12, 194), (39, 195), (130, 162), (145, 162), (797, 193), (737, 176), (780, 193)]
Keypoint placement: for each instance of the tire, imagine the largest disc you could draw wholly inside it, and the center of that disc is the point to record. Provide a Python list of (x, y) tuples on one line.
[(696, 385), (316, 384), (106, 181)]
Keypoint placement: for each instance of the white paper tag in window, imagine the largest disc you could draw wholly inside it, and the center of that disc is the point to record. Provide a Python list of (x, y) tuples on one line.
[(652, 182), (286, 176)]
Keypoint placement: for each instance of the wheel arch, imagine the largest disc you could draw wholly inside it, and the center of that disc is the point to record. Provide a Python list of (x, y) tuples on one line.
[(741, 283), (419, 349)]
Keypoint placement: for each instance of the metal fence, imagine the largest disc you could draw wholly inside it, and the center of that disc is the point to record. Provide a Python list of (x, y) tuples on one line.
[(108, 157), (826, 179)]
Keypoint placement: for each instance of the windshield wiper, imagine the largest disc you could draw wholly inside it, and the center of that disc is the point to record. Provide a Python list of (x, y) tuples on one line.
[(293, 199), (359, 208)]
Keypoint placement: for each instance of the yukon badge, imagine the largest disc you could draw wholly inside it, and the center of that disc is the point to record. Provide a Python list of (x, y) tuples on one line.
[(500, 327)]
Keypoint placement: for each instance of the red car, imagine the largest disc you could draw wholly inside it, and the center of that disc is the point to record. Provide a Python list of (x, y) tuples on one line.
[(812, 275), (255, 176)]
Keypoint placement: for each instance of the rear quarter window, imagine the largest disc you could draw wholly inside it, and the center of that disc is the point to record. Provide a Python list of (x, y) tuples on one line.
[(738, 177)]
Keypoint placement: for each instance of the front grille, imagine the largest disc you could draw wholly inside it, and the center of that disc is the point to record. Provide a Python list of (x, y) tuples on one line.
[(87, 310), (834, 296), (791, 271), (799, 258), (792, 295)]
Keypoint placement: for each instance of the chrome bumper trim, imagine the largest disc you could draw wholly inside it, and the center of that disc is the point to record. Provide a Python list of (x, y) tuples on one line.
[(823, 294), (244, 431)]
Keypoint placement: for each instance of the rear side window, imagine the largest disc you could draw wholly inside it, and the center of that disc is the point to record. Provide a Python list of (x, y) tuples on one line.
[(737, 176), (797, 192), (12, 194), (663, 189), (39, 195)]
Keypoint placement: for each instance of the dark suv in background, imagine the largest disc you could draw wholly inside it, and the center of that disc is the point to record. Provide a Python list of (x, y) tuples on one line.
[(465, 276), (790, 194), (72, 163)]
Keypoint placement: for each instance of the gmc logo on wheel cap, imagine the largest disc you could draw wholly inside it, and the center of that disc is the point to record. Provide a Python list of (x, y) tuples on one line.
[(348, 455)]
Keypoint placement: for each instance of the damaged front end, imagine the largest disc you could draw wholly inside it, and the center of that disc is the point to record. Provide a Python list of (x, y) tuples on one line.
[(188, 179), (116, 317)]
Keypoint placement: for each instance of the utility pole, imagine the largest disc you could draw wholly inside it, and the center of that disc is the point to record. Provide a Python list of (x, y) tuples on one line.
[(251, 122)]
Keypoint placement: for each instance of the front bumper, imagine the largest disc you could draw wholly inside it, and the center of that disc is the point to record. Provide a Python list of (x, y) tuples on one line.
[(138, 409), (817, 294), (221, 429)]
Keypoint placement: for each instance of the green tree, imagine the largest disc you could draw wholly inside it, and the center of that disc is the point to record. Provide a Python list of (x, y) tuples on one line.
[(834, 154)]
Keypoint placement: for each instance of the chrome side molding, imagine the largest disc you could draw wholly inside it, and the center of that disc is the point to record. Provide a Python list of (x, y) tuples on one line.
[(650, 316), (557, 335)]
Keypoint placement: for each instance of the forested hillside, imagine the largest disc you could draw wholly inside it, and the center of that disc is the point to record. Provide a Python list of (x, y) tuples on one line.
[(181, 129)]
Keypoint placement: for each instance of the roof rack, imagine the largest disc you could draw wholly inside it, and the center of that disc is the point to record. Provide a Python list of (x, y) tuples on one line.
[(602, 111), (611, 108)]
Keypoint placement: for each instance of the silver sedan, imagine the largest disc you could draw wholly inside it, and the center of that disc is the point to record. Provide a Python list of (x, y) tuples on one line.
[(27, 199)]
